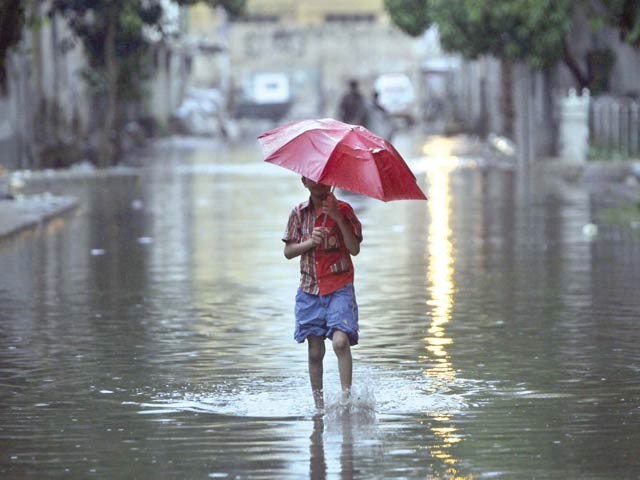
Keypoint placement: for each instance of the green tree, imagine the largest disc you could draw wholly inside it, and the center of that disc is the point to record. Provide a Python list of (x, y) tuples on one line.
[(531, 31), (112, 32), (411, 16), (623, 15)]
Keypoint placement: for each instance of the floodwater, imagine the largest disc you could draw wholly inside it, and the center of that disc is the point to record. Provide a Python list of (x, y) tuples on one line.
[(149, 335)]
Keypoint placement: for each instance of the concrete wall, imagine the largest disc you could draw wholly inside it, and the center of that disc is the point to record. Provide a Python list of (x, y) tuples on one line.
[(321, 58), (167, 87), (58, 63), (46, 100), (8, 139), (313, 11)]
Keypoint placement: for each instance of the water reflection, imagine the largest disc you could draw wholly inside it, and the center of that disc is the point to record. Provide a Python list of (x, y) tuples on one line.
[(317, 457), (439, 255), (440, 274), (317, 461)]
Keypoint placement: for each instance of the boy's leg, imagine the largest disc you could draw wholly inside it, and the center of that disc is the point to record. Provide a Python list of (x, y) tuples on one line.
[(316, 355), (342, 349), (342, 320)]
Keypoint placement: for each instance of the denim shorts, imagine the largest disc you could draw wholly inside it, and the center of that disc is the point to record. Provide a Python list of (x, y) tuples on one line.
[(321, 315)]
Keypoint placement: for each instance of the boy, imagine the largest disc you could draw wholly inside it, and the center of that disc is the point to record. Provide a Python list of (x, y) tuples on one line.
[(325, 303)]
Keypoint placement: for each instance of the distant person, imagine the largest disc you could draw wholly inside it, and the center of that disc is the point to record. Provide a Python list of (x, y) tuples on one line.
[(380, 121), (353, 107)]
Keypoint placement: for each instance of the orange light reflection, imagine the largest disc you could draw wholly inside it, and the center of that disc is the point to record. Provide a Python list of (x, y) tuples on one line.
[(439, 256)]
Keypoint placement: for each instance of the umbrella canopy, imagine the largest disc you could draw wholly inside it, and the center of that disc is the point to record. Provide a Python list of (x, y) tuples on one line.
[(347, 156)]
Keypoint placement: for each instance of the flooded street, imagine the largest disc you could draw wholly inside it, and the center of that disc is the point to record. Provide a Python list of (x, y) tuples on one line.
[(149, 335)]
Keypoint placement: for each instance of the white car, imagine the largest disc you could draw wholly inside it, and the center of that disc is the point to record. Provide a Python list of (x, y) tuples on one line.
[(396, 95), (271, 88)]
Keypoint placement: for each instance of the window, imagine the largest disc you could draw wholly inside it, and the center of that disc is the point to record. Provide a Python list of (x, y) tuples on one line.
[(258, 18), (349, 17)]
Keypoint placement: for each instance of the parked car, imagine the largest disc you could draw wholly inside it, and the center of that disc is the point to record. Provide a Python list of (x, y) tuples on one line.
[(397, 96), (267, 95)]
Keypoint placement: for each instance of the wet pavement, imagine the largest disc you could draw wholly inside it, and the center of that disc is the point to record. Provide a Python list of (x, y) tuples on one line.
[(20, 214), (149, 334), (30, 199)]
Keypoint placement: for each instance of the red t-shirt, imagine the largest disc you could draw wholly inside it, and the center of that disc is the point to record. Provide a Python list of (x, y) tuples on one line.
[(328, 267)]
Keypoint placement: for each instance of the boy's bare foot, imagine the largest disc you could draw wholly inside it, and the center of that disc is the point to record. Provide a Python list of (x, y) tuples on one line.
[(346, 395), (318, 398)]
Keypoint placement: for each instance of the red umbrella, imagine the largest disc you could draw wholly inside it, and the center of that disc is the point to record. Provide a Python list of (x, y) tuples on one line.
[(347, 156)]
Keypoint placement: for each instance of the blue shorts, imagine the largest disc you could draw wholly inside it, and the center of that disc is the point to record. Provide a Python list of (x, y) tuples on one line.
[(321, 315)]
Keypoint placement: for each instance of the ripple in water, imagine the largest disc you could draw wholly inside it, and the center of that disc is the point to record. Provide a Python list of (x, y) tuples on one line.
[(376, 393)]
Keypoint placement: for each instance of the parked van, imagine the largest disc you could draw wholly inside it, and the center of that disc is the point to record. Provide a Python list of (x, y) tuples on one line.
[(271, 88), (397, 96), (266, 95)]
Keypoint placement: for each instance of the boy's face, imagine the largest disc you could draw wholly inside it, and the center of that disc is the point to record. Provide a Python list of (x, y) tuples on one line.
[(319, 190)]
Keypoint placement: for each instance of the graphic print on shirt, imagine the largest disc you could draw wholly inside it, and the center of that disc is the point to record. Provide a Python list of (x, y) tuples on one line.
[(331, 240)]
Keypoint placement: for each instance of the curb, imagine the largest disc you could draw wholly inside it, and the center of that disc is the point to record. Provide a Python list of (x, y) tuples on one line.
[(31, 212)]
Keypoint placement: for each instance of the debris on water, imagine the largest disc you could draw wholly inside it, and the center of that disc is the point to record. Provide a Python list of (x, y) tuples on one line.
[(590, 230), (16, 183), (97, 252), (137, 204), (83, 166), (145, 240)]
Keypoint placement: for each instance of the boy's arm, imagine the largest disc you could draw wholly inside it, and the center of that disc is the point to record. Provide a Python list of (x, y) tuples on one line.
[(350, 240), (348, 235), (295, 249)]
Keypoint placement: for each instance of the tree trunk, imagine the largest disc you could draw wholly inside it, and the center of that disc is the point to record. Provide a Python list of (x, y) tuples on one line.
[(506, 103), (582, 79), (11, 23), (107, 152)]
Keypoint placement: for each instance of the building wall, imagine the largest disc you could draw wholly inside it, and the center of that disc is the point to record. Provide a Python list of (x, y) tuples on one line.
[(48, 103), (307, 12), (294, 37), (46, 100), (168, 85), (321, 59), (8, 138), (59, 60)]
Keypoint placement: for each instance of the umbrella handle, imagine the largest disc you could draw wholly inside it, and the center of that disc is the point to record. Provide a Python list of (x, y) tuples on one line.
[(324, 221)]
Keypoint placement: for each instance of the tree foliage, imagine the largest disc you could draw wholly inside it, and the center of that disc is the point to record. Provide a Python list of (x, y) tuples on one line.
[(621, 14), (522, 30), (411, 16), (90, 21), (113, 34), (234, 8), (532, 31)]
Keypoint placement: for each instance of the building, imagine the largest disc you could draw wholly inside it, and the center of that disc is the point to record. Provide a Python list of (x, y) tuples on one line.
[(317, 45)]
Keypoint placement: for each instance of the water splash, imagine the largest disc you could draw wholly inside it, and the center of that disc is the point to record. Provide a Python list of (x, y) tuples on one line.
[(378, 392), (358, 406)]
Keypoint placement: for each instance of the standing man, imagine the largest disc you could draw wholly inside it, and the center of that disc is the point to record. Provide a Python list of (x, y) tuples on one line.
[(353, 108)]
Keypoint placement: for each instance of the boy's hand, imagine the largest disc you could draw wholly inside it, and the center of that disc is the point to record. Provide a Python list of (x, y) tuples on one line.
[(330, 206), (317, 236)]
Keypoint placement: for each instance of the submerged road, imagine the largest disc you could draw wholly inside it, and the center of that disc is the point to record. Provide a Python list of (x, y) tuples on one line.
[(148, 334)]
